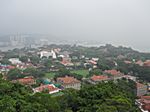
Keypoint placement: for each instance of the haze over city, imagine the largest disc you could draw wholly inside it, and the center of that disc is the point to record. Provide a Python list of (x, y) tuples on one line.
[(74, 56), (119, 22)]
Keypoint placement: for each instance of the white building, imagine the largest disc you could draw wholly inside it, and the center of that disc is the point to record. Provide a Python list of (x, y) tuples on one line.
[(53, 54), (50, 87), (48, 54), (45, 54), (15, 61)]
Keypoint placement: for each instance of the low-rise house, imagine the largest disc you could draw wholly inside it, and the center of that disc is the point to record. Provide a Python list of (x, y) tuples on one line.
[(26, 80), (66, 61), (129, 77), (93, 62), (51, 88), (6, 68), (69, 82), (114, 74), (148, 87), (147, 63), (139, 62), (127, 62), (144, 103), (98, 78), (141, 89), (15, 61), (95, 59)]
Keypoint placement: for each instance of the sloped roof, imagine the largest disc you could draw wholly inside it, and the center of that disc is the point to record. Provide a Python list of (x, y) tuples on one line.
[(99, 78), (67, 80)]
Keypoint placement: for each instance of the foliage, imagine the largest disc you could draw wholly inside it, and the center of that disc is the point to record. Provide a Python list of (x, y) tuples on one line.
[(14, 74), (95, 72), (34, 59), (103, 97), (23, 59), (5, 62), (33, 72), (83, 72), (64, 72)]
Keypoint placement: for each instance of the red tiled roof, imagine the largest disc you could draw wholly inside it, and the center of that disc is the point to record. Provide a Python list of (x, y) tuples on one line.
[(145, 101), (139, 62), (67, 80), (49, 87), (99, 78), (113, 72), (127, 62), (26, 80), (145, 97), (146, 107), (93, 62), (10, 67), (147, 63)]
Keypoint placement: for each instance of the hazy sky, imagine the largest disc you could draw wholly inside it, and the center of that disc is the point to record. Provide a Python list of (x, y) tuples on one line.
[(120, 22)]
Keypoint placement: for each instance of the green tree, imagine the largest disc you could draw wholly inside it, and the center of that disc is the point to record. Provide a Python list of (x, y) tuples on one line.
[(24, 59), (5, 62), (14, 74)]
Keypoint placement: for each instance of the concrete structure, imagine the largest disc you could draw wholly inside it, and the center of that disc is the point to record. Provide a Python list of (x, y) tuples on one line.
[(114, 74), (69, 82), (141, 89), (98, 78), (15, 61), (26, 80), (46, 54), (144, 103), (129, 77), (50, 87)]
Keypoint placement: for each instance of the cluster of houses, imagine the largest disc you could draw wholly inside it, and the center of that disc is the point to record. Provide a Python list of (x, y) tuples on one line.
[(63, 82), (143, 100), (15, 63), (139, 62), (71, 82)]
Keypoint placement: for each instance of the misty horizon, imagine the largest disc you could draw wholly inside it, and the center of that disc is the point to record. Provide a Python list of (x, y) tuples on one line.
[(116, 22)]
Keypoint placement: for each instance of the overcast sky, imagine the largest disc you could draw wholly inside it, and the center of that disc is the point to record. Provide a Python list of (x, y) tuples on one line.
[(120, 22)]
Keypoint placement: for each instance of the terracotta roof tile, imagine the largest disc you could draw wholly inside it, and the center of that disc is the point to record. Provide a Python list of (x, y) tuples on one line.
[(26, 80), (99, 78), (113, 72), (67, 80), (49, 87)]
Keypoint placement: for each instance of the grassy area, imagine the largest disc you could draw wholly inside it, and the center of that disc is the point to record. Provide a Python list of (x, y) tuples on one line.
[(84, 73), (50, 75)]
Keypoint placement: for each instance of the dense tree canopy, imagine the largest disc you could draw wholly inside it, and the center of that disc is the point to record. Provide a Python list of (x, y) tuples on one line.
[(103, 97)]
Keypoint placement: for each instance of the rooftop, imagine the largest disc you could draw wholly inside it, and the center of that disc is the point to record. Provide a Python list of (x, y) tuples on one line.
[(113, 72), (50, 87), (67, 80), (99, 77)]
